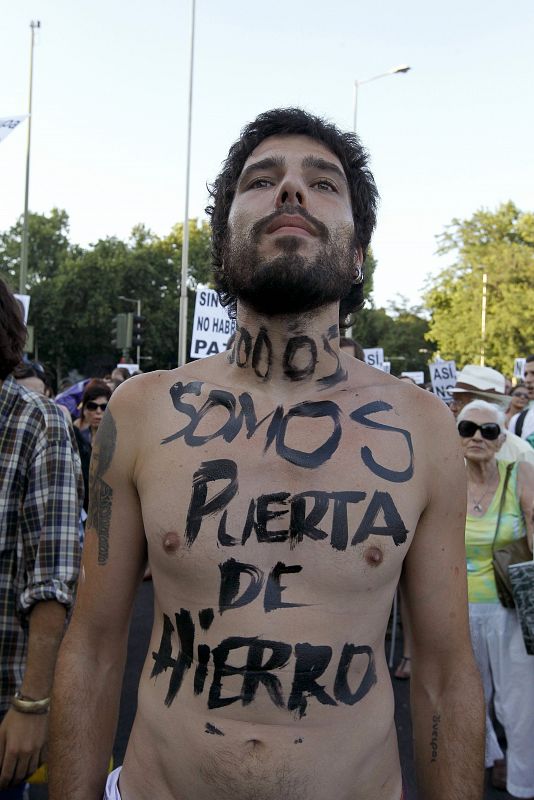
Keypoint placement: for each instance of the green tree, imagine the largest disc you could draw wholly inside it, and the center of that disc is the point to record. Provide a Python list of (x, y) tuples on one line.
[(75, 291), (499, 244), (405, 343), (48, 247), (400, 330)]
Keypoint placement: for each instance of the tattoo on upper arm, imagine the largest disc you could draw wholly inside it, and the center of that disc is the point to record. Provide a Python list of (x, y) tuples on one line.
[(100, 492), (436, 719)]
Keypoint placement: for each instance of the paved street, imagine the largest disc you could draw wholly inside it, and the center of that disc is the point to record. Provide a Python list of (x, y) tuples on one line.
[(138, 643)]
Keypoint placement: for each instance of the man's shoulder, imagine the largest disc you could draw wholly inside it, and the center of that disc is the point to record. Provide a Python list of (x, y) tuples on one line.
[(35, 411), (405, 397)]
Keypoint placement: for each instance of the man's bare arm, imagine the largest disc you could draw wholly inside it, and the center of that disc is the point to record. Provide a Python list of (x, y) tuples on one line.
[(90, 666), (23, 736), (446, 691)]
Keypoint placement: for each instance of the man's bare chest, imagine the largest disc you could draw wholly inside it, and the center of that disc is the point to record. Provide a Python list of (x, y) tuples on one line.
[(228, 471)]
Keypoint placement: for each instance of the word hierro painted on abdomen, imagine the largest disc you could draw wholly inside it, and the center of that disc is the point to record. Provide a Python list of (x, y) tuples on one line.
[(262, 658)]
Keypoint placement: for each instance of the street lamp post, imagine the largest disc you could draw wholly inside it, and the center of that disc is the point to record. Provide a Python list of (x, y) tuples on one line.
[(138, 311), (402, 68), (483, 319), (182, 332), (23, 275), (393, 71)]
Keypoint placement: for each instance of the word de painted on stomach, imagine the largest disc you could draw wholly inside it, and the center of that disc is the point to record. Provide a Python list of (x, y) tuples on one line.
[(261, 659), (241, 414), (304, 512)]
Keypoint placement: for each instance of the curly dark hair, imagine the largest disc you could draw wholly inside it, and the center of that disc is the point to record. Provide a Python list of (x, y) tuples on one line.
[(95, 388), (12, 331), (294, 121)]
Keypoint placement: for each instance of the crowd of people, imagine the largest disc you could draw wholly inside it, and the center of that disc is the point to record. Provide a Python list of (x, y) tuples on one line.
[(71, 464)]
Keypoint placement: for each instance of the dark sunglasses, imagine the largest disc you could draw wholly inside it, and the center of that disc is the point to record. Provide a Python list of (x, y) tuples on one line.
[(524, 395), (489, 430), (91, 406)]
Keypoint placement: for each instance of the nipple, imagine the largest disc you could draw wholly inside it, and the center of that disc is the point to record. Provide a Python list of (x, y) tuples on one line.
[(171, 542), (374, 556)]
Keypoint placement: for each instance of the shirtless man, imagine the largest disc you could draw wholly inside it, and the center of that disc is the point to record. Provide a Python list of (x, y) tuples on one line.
[(277, 490)]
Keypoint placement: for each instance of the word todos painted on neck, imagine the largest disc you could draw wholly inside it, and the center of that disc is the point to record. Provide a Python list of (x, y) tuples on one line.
[(299, 360)]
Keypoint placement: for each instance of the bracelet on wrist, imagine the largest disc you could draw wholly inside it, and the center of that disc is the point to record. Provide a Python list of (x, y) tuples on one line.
[(28, 706)]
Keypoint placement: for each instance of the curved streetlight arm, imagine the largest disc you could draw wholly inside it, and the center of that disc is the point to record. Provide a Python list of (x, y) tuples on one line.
[(357, 83)]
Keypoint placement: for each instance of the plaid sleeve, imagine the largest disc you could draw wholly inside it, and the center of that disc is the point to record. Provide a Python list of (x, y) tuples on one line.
[(49, 548)]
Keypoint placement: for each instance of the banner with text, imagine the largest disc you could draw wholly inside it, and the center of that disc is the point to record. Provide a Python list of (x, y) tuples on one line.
[(519, 368), (24, 300), (374, 356), (8, 124), (212, 327), (443, 377), (417, 377)]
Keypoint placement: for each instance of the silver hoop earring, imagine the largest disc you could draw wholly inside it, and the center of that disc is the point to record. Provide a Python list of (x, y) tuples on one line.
[(358, 275)]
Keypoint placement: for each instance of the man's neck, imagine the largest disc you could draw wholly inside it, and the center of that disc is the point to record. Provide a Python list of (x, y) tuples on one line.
[(286, 351)]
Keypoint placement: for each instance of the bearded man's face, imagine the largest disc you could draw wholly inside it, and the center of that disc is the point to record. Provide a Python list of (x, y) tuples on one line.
[(290, 246)]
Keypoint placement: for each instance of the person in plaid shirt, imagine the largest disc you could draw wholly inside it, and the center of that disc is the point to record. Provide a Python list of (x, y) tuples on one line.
[(40, 498)]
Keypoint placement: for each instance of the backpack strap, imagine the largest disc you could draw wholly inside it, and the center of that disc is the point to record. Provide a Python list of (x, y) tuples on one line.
[(509, 469), (520, 422)]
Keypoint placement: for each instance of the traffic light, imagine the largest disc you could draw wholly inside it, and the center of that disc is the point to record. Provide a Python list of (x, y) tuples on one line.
[(137, 329), (121, 335)]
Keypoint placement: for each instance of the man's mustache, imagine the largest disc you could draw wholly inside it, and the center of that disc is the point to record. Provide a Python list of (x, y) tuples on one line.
[(261, 225)]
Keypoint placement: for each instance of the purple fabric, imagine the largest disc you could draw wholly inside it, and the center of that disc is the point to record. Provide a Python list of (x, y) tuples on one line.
[(71, 397)]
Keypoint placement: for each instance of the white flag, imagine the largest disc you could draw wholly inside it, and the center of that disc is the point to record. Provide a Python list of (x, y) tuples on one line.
[(8, 124)]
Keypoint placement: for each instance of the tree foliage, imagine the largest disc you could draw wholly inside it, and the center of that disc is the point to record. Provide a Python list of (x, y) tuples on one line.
[(75, 291), (499, 244), (400, 331)]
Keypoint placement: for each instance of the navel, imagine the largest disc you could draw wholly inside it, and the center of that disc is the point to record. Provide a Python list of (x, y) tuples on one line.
[(373, 556)]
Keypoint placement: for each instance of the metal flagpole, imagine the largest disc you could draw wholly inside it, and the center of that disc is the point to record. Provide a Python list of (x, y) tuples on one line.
[(182, 332), (483, 320), (23, 276)]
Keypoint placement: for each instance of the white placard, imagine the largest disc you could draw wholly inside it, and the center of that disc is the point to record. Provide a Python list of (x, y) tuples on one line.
[(443, 377), (8, 124), (374, 356), (519, 368), (24, 300), (130, 367), (418, 377), (386, 366), (212, 327)]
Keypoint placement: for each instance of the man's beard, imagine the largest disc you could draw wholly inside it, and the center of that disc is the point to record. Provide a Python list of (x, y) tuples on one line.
[(290, 283)]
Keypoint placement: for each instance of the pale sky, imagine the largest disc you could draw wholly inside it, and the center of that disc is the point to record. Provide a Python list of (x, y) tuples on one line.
[(110, 108)]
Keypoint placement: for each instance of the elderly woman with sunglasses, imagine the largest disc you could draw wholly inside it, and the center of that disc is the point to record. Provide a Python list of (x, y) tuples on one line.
[(507, 671), (94, 402)]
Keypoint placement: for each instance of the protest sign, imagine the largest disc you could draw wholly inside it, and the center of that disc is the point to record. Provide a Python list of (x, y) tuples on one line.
[(8, 124), (24, 300), (443, 377), (417, 377), (212, 327), (132, 368), (519, 368), (374, 356)]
